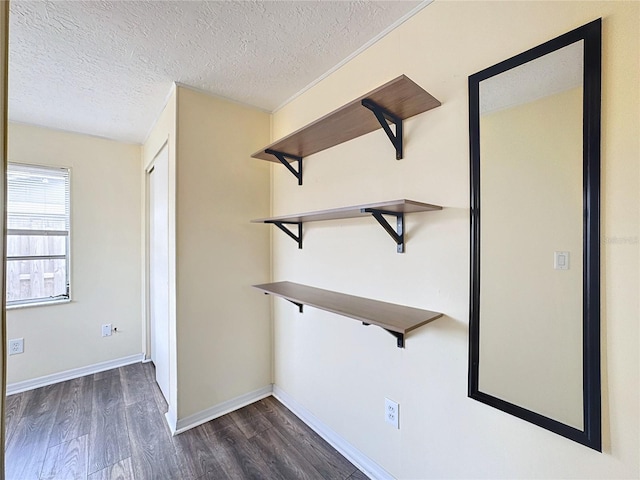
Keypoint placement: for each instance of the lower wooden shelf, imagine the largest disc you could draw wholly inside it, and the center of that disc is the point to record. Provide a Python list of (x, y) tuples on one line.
[(396, 319)]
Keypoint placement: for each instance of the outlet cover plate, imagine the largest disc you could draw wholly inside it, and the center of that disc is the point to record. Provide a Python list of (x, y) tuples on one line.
[(16, 346), (391, 411), (106, 330)]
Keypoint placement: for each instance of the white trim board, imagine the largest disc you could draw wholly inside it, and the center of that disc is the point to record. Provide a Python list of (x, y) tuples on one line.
[(25, 385), (228, 406), (171, 419), (351, 453)]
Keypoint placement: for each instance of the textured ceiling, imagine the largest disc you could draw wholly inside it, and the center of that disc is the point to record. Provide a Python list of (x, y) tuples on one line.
[(548, 75), (105, 68)]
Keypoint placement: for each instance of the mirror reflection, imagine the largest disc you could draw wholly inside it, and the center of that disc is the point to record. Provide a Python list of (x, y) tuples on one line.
[(531, 239)]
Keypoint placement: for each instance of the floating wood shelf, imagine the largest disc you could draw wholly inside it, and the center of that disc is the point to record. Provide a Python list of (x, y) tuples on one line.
[(396, 208), (393, 102), (396, 319)]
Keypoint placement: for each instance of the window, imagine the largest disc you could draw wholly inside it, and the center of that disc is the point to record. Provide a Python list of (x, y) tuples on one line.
[(37, 234)]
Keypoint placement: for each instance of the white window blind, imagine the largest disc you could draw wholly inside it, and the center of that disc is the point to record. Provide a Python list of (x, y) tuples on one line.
[(38, 226)]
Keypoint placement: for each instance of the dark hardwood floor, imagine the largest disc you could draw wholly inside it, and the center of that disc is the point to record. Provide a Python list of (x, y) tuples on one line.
[(111, 426)]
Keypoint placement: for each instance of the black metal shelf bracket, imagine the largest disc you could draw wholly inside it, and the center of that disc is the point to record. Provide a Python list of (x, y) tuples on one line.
[(398, 233), (399, 336), (299, 305), (281, 226), (384, 116), (283, 159)]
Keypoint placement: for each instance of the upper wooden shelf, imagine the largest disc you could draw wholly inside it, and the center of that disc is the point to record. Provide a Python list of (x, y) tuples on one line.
[(396, 100), (396, 208), (396, 319)]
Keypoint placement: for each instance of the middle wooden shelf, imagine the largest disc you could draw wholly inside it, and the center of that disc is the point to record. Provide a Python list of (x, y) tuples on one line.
[(395, 208)]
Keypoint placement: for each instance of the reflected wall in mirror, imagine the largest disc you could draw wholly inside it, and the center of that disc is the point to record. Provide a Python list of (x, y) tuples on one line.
[(535, 300)]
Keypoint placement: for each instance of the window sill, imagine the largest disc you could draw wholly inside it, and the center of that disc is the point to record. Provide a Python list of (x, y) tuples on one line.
[(38, 304)]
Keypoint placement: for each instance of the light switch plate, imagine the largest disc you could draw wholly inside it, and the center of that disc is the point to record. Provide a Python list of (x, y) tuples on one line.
[(561, 260)]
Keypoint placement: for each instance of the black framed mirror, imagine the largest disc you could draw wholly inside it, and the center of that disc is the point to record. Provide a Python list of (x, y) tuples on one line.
[(534, 127)]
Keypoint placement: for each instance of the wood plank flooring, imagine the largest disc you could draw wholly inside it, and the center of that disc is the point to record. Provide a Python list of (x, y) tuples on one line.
[(111, 426)]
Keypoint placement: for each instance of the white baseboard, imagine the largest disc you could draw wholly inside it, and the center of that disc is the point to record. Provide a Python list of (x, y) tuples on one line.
[(25, 385), (187, 423), (351, 453)]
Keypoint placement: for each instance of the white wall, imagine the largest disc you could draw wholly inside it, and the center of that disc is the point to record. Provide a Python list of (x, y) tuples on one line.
[(106, 256), (341, 371)]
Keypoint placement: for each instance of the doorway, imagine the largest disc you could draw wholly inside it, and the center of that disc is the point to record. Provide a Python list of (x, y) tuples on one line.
[(158, 184)]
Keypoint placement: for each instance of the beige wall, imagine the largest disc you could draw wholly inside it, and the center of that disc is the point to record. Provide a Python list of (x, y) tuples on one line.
[(223, 325), (340, 370), (105, 256), (531, 203), (220, 328)]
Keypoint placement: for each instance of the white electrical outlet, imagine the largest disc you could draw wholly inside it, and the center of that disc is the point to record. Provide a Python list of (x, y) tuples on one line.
[(106, 330), (391, 410), (16, 346)]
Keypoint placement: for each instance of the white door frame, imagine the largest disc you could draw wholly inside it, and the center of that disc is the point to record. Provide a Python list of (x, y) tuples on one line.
[(163, 363), (4, 52)]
